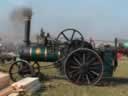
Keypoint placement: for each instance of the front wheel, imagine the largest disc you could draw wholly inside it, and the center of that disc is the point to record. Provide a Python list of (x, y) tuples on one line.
[(19, 70)]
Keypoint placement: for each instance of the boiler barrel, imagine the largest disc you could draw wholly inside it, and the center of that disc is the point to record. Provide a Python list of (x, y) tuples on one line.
[(39, 54)]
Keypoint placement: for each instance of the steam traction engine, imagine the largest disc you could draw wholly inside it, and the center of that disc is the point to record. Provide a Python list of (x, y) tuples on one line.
[(81, 63)]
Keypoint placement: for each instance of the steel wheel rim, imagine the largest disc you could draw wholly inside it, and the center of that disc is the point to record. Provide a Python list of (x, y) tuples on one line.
[(75, 73), (12, 73)]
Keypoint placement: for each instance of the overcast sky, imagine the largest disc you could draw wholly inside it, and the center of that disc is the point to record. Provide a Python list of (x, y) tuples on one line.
[(100, 19)]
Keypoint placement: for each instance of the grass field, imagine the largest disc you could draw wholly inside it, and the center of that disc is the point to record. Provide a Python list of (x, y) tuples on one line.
[(56, 85)]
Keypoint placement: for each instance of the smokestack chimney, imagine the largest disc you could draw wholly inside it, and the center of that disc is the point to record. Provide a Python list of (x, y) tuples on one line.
[(27, 13), (27, 30)]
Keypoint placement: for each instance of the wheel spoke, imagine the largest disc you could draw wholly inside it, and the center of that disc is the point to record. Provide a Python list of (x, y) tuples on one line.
[(82, 77), (94, 68), (65, 36), (91, 61), (71, 72), (73, 35), (74, 67), (96, 63), (87, 78), (77, 61), (95, 73), (74, 63), (88, 57), (74, 73), (78, 79)]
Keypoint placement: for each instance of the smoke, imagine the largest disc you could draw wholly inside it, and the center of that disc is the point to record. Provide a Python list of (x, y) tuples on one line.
[(17, 19), (19, 9), (12, 19), (19, 14)]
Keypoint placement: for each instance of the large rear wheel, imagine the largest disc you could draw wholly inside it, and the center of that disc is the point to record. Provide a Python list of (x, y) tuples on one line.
[(83, 66)]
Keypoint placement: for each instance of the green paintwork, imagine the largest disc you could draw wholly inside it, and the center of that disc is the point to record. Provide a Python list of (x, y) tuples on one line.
[(108, 58), (51, 56)]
